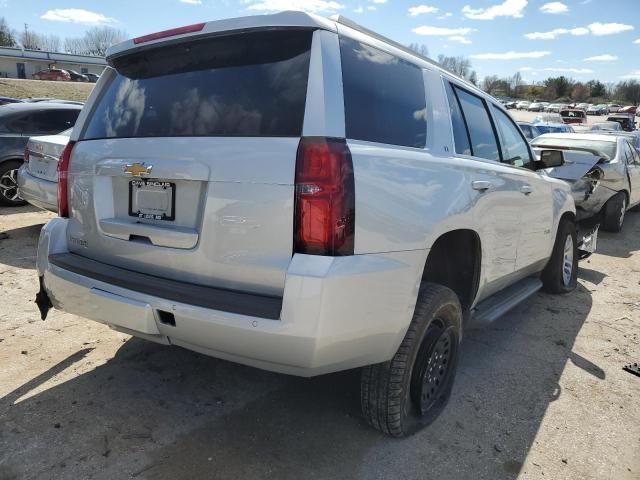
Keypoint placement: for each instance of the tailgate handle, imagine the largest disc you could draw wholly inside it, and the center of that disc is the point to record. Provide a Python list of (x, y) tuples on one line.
[(160, 236)]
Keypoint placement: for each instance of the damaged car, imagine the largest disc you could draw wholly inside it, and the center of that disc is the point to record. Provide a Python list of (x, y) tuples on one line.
[(604, 174)]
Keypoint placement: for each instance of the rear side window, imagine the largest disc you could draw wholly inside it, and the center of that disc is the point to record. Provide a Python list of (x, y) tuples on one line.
[(253, 84), (479, 125), (384, 98), (460, 134), (48, 122)]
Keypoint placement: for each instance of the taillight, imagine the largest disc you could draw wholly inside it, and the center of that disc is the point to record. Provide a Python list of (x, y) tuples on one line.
[(196, 27), (324, 219), (63, 184), (25, 156)]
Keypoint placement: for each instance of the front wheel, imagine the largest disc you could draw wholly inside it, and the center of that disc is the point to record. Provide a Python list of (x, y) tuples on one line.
[(9, 194), (613, 213), (561, 273), (408, 392)]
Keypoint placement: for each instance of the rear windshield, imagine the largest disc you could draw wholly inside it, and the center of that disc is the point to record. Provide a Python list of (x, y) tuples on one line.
[(252, 84), (608, 148)]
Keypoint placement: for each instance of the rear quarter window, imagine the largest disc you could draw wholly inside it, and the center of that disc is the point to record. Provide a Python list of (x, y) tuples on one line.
[(253, 84), (384, 97)]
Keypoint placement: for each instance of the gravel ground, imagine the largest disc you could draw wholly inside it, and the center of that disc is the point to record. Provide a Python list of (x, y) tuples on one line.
[(540, 394)]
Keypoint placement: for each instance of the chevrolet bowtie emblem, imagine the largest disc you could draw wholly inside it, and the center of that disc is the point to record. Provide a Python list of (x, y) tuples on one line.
[(138, 169)]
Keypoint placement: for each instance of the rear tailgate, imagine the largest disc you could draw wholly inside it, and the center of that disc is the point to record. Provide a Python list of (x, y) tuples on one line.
[(185, 167), (44, 153)]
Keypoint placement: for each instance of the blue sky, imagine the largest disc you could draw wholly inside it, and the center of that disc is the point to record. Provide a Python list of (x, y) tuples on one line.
[(583, 39)]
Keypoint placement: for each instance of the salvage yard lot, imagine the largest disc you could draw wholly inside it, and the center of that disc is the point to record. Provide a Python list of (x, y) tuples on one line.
[(540, 394)]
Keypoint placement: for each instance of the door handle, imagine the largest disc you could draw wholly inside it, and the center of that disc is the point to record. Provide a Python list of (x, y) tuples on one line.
[(526, 189), (481, 185)]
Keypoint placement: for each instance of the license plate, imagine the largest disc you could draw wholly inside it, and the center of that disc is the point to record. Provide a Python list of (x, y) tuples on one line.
[(152, 199)]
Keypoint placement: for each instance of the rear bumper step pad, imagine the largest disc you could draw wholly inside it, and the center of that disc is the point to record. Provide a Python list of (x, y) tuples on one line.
[(225, 300)]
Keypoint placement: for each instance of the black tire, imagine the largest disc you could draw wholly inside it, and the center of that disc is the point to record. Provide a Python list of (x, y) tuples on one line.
[(553, 278), (613, 213), (398, 396), (9, 185)]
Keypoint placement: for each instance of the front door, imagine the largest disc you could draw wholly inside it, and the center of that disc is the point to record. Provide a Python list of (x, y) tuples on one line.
[(21, 72)]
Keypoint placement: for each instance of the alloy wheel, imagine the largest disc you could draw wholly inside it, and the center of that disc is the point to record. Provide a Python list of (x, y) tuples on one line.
[(9, 185)]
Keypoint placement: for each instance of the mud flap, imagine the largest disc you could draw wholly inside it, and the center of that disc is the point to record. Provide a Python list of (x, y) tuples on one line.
[(587, 241), (42, 300)]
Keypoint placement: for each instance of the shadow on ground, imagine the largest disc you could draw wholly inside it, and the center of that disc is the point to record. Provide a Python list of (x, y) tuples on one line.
[(15, 242), (158, 412)]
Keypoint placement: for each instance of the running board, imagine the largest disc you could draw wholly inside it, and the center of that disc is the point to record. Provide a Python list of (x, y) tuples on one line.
[(500, 303)]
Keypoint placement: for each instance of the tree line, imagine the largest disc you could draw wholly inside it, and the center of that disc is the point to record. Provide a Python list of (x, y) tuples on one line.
[(560, 88), (95, 41)]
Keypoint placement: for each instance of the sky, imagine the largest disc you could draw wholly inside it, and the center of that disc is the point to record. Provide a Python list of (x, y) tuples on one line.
[(582, 39)]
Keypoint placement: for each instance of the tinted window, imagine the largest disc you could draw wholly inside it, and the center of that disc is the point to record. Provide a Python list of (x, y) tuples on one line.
[(515, 150), (48, 122), (460, 135), (384, 96), (252, 84), (483, 139)]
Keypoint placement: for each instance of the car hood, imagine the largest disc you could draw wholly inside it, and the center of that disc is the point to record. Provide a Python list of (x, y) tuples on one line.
[(577, 164)]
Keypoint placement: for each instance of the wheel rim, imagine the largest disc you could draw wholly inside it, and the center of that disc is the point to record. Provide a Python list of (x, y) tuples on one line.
[(623, 210), (9, 185), (567, 260), (435, 366)]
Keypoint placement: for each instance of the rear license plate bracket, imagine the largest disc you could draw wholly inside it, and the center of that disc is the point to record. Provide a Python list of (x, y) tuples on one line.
[(152, 199)]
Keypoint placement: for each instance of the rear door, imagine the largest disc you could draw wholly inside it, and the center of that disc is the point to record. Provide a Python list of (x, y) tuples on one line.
[(633, 167), (185, 166)]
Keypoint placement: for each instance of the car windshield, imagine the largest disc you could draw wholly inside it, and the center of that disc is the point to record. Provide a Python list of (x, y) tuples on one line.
[(603, 146), (606, 126)]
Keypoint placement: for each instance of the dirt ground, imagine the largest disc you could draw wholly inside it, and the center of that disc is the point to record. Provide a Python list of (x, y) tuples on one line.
[(540, 394), (43, 88)]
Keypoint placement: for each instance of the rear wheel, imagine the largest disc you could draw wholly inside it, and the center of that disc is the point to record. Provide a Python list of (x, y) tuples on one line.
[(613, 213), (407, 393), (9, 184), (561, 273)]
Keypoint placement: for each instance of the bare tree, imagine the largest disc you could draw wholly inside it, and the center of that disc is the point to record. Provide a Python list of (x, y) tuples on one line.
[(74, 45), (29, 39), (516, 83), (461, 66), (99, 39), (420, 48), (490, 84), (50, 43)]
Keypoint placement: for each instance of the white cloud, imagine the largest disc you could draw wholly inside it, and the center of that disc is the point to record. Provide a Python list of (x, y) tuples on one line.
[(609, 28), (359, 10), (526, 69), (446, 15), (378, 1), (191, 2), (602, 58), (634, 75), (371, 8), (567, 70), (510, 55), (459, 39), (554, 8), (76, 15), (441, 31), (306, 5), (420, 9), (508, 8), (637, 42)]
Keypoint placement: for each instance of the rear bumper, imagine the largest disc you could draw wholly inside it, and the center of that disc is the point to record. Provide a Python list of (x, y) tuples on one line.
[(336, 312), (38, 192)]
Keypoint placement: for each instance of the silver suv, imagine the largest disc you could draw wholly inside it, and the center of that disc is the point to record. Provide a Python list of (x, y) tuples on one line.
[(304, 196)]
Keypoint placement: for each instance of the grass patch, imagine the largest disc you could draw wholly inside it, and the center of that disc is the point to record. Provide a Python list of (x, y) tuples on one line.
[(10, 87)]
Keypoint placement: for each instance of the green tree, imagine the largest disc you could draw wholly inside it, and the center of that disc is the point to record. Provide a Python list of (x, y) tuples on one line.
[(7, 38), (598, 89)]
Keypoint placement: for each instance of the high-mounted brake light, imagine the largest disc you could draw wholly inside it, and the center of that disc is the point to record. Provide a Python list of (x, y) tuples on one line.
[(63, 184), (324, 219), (196, 27)]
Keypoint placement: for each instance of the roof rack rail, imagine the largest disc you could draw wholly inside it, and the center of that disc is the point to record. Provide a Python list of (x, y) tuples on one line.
[(341, 19)]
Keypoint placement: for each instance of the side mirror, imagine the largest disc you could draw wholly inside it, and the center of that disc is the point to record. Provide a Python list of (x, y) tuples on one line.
[(550, 159)]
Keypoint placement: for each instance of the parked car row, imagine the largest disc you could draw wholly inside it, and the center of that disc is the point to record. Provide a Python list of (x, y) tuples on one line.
[(310, 225), (64, 75)]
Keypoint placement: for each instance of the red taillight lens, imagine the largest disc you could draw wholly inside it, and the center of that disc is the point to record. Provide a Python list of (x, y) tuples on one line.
[(324, 222), (25, 156), (196, 27), (63, 186)]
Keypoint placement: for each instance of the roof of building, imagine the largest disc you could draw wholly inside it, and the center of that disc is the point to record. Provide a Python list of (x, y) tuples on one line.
[(25, 54)]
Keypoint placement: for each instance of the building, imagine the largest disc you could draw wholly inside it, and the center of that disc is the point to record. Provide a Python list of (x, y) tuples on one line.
[(19, 63)]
